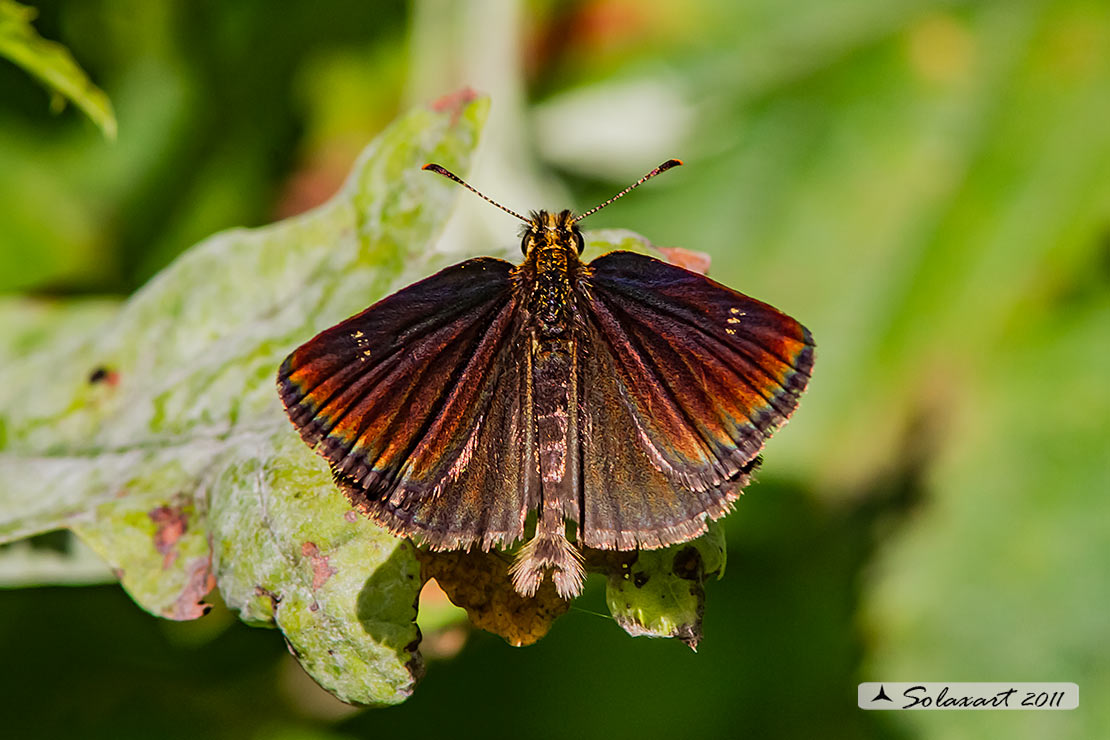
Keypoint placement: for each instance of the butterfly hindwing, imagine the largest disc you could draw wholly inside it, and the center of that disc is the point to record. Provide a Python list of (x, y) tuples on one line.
[(627, 501), (703, 376), (405, 398)]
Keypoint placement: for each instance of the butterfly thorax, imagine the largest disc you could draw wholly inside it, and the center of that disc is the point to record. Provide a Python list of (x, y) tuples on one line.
[(551, 243)]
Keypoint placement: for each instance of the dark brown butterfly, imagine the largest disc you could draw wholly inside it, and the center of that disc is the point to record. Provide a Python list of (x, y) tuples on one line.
[(627, 396)]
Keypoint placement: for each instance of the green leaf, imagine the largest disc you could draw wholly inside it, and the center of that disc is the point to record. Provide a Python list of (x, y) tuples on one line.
[(154, 431), (53, 65), (659, 592)]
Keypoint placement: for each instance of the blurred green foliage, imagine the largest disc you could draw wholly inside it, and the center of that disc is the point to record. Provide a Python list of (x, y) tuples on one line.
[(53, 65), (923, 183)]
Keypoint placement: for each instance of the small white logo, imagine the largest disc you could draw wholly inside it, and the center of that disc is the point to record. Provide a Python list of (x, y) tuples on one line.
[(939, 695)]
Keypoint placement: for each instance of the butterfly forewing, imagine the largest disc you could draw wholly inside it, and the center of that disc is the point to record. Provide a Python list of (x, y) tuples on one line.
[(627, 501), (486, 491), (705, 373), (404, 397)]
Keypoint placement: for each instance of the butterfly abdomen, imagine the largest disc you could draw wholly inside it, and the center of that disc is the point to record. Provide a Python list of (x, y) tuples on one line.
[(553, 366)]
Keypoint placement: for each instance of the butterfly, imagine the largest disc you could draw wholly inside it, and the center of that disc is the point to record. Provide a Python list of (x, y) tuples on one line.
[(619, 404)]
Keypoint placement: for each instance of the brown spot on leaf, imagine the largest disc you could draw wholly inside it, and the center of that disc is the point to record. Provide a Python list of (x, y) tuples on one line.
[(171, 523), (687, 259), (480, 583), (104, 375), (690, 634), (199, 581), (351, 516), (274, 598), (454, 102), (321, 571)]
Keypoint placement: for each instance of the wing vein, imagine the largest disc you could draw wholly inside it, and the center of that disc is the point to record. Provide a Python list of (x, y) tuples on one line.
[(660, 379)]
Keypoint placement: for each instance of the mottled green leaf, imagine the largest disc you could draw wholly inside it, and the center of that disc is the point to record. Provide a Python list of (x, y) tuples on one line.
[(154, 431), (659, 593), (52, 64), (600, 241)]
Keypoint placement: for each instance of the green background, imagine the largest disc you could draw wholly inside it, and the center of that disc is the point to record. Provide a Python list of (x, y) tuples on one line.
[(923, 184)]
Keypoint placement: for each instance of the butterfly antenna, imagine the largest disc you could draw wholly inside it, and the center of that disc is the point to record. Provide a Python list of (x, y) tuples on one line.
[(452, 176), (661, 168)]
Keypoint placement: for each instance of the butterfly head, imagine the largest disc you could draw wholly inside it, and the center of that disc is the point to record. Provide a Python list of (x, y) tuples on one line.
[(550, 230)]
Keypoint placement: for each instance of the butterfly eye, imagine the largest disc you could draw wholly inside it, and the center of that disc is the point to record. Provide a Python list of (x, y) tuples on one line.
[(524, 243), (579, 241)]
